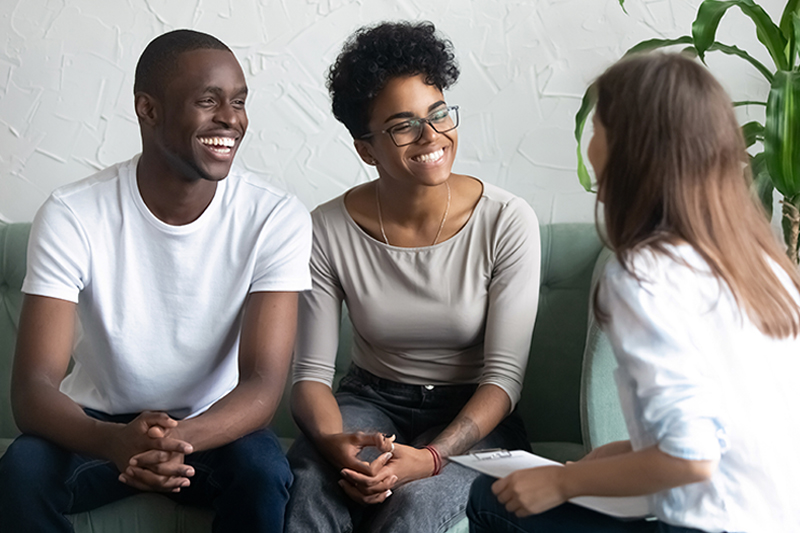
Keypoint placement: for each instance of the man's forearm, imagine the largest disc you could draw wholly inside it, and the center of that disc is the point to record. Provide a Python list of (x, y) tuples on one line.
[(250, 406), (42, 410)]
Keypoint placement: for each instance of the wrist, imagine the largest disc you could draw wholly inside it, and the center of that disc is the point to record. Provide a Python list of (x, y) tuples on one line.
[(568, 482), (437, 460)]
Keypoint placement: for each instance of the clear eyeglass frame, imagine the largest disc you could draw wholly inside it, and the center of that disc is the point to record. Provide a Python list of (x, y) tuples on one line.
[(410, 131)]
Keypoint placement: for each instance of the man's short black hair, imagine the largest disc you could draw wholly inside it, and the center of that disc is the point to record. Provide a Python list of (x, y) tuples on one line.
[(374, 55), (159, 59)]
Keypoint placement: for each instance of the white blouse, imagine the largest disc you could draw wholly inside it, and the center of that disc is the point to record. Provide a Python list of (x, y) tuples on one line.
[(700, 381)]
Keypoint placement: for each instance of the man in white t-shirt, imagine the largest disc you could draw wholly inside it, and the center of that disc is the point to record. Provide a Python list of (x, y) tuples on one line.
[(171, 280)]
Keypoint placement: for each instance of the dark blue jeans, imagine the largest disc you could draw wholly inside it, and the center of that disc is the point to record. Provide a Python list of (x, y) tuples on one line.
[(487, 515), (246, 482), (415, 414)]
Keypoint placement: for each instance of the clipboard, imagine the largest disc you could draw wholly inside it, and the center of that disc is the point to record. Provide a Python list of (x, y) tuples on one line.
[(500, 463)]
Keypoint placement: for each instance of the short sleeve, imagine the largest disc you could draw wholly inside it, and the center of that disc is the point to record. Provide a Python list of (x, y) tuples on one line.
[(58, 254), (319, 315), (284, 249), (656, 329), (513, 298)]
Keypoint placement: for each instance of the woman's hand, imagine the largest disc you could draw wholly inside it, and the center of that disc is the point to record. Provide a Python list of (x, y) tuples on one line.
[(531, 491), (342, 450), (405, 464)]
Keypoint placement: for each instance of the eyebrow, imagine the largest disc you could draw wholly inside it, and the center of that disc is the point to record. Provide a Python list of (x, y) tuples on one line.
[(408, 114), (219, 90)]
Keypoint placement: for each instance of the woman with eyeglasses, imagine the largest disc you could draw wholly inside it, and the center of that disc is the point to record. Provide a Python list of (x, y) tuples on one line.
[(440, 275)]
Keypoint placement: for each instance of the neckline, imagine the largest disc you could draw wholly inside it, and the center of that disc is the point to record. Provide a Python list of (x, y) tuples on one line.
[(148, 215), (370, 238)]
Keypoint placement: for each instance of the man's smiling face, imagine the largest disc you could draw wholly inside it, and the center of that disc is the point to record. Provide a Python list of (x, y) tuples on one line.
[(204, 118)]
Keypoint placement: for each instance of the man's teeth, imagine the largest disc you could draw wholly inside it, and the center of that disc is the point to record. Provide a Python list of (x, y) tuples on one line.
[(433, 156), (218, 142)]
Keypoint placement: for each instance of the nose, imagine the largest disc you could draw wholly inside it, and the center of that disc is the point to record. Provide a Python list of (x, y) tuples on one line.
[(228, 115), (428, 133)]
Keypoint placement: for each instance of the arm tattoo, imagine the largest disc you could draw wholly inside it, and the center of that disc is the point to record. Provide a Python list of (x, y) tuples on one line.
[(458, 437)]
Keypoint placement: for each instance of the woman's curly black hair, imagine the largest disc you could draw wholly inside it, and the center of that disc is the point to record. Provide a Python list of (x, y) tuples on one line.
[(375, 54)]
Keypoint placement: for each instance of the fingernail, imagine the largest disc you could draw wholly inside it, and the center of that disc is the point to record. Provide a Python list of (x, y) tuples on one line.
[(388, 455), (388, 493), (121, 478)]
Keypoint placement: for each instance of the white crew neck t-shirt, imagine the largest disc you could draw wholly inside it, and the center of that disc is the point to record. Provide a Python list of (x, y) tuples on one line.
[(161, 306)]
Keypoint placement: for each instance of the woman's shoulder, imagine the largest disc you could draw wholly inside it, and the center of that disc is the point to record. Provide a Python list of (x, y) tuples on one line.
[(504, 207), (330, 210), (673, 270)]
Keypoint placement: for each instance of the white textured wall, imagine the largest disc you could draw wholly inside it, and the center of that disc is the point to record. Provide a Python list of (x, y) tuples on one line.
[(66, 76)]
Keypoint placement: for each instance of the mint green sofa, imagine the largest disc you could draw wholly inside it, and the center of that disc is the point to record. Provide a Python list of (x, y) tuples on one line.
[(569, 401)]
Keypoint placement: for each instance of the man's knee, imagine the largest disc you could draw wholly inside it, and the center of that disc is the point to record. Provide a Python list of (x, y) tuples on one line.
[(257, 460), (30, 460)]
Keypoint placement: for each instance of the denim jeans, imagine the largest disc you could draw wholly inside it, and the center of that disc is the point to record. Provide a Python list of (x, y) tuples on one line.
[(246, 482), (415, 414), (487, 515)]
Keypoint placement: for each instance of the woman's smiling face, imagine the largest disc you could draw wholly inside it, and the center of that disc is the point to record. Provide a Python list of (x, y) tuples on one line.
[(429, 160)]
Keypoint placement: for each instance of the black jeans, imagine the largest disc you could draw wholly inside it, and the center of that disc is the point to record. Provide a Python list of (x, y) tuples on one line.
[(487, 515)]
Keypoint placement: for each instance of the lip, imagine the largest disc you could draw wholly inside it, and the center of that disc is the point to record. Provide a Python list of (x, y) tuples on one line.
[(432, 162), (219, 145)]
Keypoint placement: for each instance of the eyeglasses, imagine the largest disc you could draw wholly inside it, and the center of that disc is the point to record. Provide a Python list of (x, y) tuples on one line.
[(408, 132)]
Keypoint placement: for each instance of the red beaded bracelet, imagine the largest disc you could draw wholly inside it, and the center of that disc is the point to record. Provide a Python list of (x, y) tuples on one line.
[(437, 460)]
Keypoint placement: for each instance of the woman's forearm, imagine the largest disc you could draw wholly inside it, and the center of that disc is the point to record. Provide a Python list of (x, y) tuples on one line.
[(487, 408), (633, 473), (315, 410)]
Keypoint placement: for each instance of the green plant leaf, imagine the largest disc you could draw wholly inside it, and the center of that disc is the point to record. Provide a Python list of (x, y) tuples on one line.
[(782, 132), (762, 182), (704, 28), (795, 39), (752, 132), (748, 102), (622, 5), (587, 104), (734, 50), (653, 44), (788, 30), (792, 7)]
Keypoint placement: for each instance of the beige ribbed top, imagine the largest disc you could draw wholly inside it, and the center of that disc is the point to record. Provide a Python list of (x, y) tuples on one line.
[(461, 311)]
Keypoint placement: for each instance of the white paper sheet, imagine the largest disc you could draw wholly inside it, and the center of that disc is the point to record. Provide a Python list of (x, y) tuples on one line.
[(500, 463)]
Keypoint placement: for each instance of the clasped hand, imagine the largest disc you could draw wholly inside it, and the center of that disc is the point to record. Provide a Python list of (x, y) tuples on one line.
[(370, 483), (149, 453)]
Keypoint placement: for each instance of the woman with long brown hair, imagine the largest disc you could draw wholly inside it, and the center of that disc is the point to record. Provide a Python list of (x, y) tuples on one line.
[(703, 312)]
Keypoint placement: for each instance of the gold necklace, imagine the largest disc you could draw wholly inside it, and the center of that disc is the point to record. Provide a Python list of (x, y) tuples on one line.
[(441, 224)]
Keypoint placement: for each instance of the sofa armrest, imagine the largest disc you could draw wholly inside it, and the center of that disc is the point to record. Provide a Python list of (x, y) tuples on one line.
[(601, 415)]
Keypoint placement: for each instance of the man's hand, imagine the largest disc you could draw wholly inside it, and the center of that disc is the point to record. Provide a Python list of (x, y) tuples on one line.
[(149, 454), (531, 491)]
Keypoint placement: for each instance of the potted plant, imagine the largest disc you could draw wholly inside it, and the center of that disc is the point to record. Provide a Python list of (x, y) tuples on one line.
[(777, 166)]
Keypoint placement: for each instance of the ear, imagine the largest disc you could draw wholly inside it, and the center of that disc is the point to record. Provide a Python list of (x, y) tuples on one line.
[(364, 149), (148, 109)]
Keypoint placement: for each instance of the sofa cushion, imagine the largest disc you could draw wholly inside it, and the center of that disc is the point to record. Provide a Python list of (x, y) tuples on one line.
[(13, 244)]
